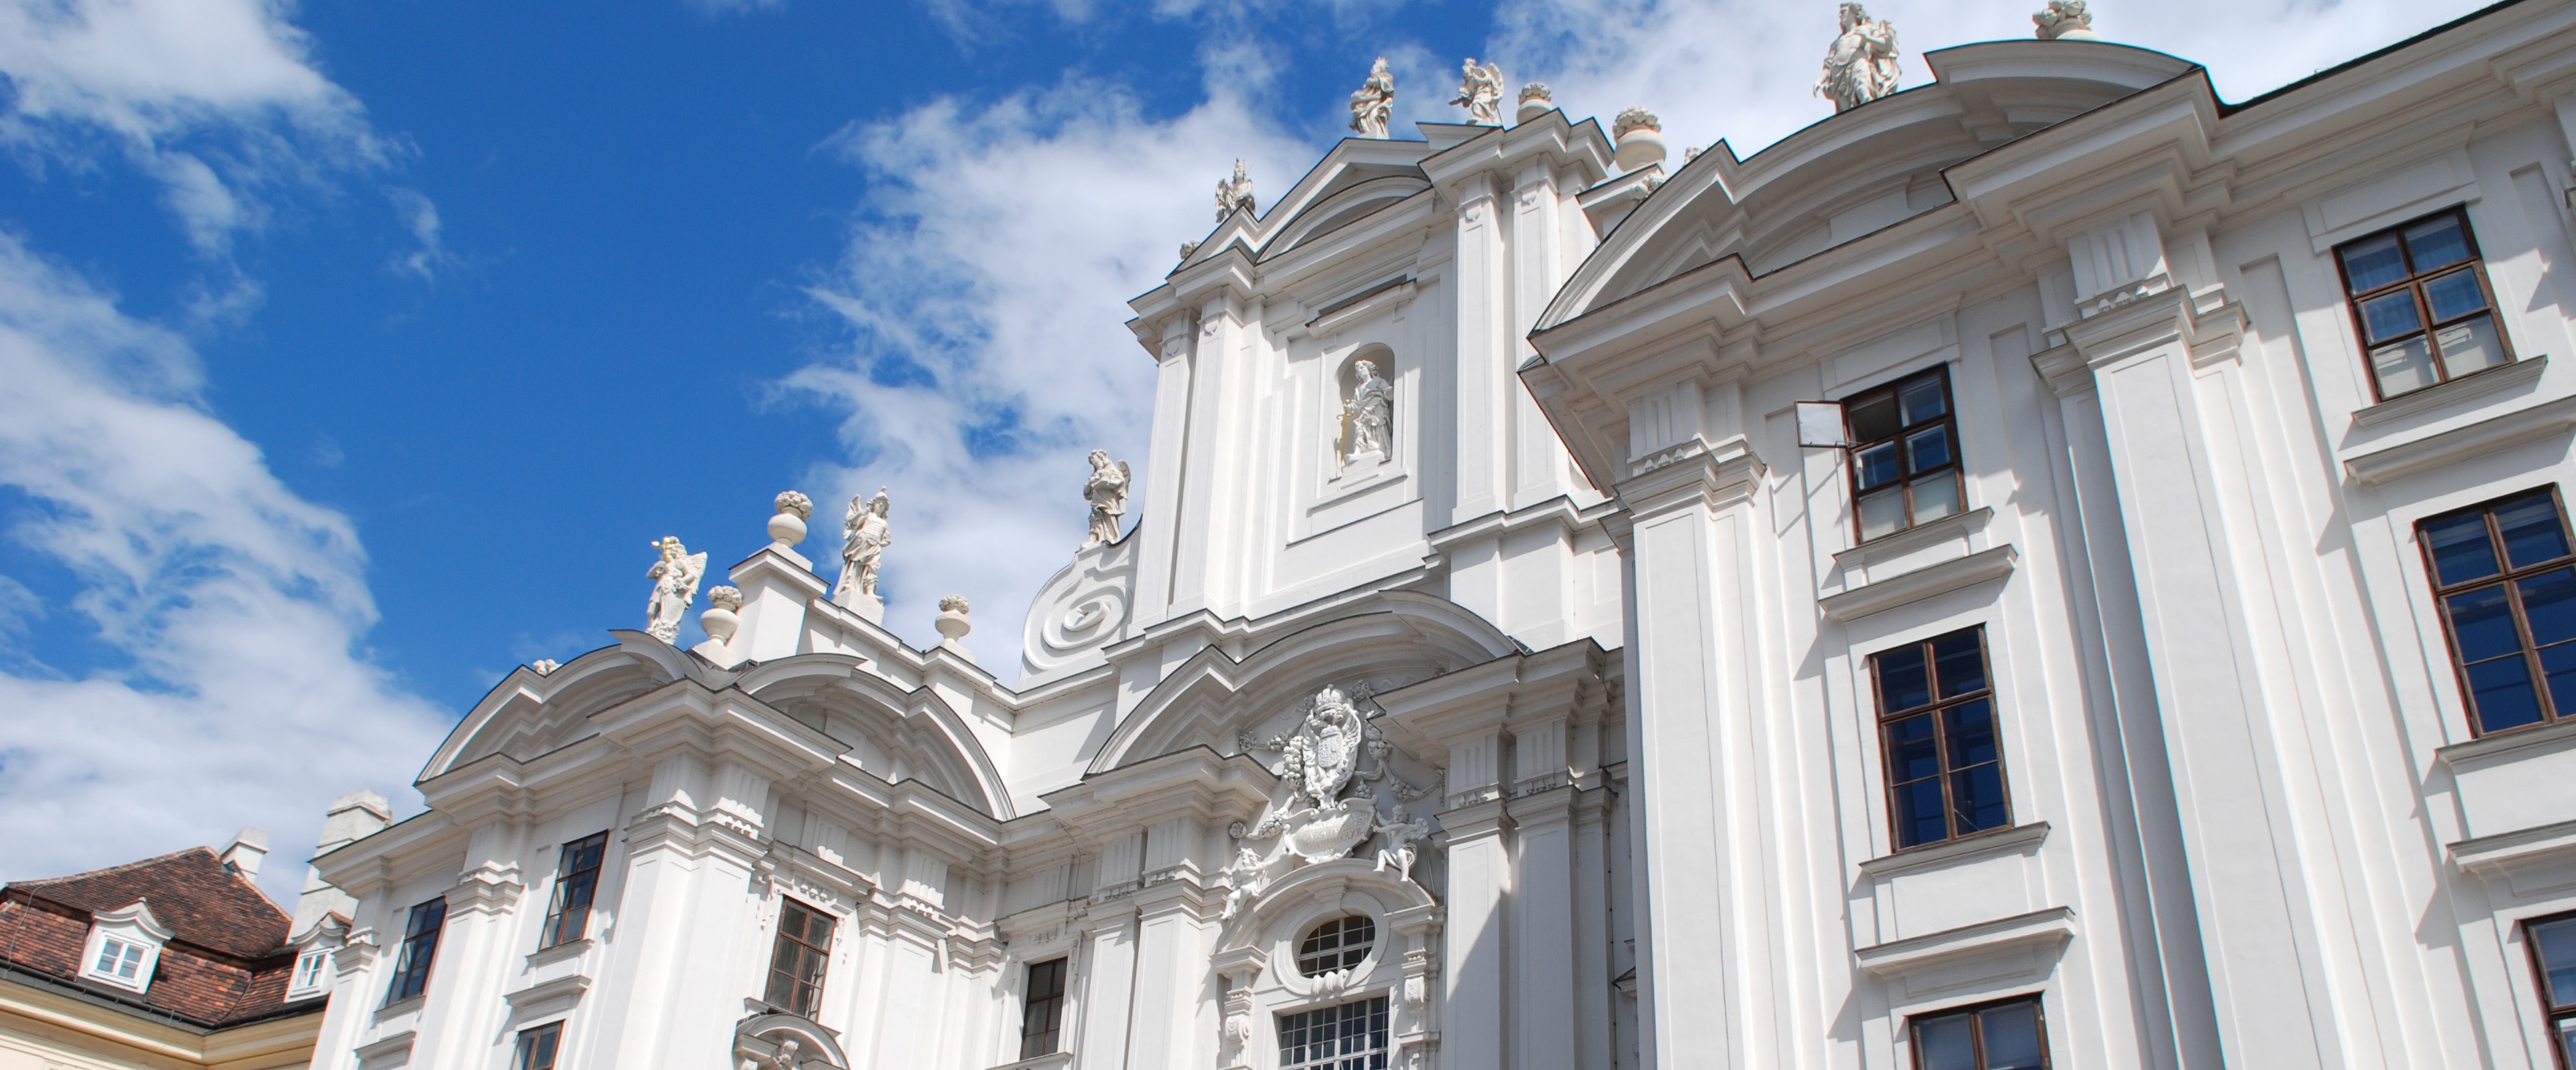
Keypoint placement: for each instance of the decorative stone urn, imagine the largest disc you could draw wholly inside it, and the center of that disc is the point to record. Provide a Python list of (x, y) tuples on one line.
[(723, 614), (1535, 102), (1641, 139), (787, 528)]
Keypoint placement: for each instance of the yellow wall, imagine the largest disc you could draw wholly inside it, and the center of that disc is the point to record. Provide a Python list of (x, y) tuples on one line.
[(42, 1030)]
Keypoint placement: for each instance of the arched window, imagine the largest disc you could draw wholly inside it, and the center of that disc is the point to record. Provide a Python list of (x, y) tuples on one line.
[(1339, 944)]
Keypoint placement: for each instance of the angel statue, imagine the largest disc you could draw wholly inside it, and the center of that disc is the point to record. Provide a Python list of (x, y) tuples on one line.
[(1480, 91), (1234, 194), (1399, 829), (1106, 490), (675, 585), (1370, 412), (865, 538), (1374, 104), (1244, 879), (1861, 65)]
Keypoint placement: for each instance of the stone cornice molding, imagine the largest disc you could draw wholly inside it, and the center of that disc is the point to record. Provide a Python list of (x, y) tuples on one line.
[(2047, 929), (1696, 473), (1906, 588), (2512, 427)]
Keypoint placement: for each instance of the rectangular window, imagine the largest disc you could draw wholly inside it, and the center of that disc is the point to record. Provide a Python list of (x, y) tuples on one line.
[(1998, 1036), (576, 881), (2419, 297), (118, 959), (2504, 577), (1348, 1037), (796, 964), (1904, 454), (1042, 1009), (420, 944), (537, 1047), (1945, 762), (2552, 942)]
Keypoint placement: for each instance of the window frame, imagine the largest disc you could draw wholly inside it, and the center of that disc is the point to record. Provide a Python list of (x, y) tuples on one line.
[(95, 960), (798, 985), (1905, 480), (299, 986), (419, 951), (2550, 1013), (1977, 1027), (1343, 947), (524, 1051), (1882, 718), (566, 920), (2475, 264), (1036, 1042), (1377, 1013), (2508, 577)]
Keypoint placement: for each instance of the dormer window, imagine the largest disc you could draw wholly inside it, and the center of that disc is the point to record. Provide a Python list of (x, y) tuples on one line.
[(124, 947), (312, 969)]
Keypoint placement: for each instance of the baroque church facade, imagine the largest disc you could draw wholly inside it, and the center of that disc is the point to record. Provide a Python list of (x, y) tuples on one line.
[(2043, 568)]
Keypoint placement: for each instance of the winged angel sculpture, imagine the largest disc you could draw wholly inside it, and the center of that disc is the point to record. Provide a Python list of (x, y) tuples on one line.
[(1325, 804), (675, 585)]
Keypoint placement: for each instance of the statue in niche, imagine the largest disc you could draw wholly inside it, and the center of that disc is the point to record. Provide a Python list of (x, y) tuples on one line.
[(865, 536), (1106, 490), (675, 585), (1861, 65), (1369, 415), (1480, 91), (1399, 829), (1374, 103), (1234, 194)]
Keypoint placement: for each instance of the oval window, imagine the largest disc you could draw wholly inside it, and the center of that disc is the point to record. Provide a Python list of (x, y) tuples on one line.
[(1339, 944)]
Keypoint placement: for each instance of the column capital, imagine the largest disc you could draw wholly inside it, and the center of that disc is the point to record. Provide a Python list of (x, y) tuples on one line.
[(1696, 472)]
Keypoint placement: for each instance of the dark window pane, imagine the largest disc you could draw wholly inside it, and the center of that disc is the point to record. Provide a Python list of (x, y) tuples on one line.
[(2531, 530), (2556, 943), (2389, 315), (2566, 1028), (1928, 448), (1877, 464), (2549, 606), (2482, 620), (537, 1047), (1918, 814), (2437, 243), (2011, 1033), (1959, 660), (1911, 752), (2500, 691), (2558, 665), (2372, 264), (1945, 1043), (1977, 799), (1902, 684), (2461, 549), (1922, 400), (2454, 295), (1873, 418), (1972, 732)]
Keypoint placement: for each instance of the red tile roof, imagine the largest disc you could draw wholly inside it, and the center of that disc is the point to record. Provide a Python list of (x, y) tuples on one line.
[(227, 960)]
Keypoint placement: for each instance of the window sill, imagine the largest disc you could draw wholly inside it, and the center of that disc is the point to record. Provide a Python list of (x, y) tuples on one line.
[(394, 1050), (566, 990), (1050, 1061), (1919, 584), (2475, 384), (2047, 930), (2475, 439), (2497, 856), (2024, 839), (2493, 745), (400, 1006), (559, 952), (1920, 535)]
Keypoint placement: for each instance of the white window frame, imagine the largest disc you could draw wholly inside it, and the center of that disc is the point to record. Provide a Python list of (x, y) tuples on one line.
[(298, 987), (131, 926)]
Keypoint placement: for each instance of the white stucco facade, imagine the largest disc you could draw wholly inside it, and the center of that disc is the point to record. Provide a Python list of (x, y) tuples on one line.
[(1598, 618)]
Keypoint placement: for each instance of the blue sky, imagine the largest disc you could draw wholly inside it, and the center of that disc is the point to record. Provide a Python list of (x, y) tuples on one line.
[(352, 352)]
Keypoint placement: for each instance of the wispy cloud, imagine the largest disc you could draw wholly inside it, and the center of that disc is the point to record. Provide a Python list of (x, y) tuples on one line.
[(239, 606), (984, 290), (420, 217)]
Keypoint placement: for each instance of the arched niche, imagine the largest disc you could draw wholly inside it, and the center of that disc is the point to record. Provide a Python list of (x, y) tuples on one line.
[(1257, 958), (1364, 409)]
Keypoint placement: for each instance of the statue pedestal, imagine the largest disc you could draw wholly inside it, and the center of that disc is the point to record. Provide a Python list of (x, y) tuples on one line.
[(865, 605)]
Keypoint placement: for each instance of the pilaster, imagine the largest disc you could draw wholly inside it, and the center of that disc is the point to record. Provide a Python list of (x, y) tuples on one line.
[(1485, 341)]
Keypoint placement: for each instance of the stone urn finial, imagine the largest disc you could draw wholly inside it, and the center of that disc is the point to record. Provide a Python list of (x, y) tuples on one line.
[(1536, 100), (723, 615), (953, 625), (1640, 137), (787, 527)]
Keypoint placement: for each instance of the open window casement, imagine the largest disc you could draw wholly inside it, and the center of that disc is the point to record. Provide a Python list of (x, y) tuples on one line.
[(1820, 425), (124, 946)]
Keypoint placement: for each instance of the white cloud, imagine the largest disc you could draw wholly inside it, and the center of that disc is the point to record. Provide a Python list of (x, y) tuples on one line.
[(1743, 71), (240, 606), (421, 218), (984, 288), (217, 99)]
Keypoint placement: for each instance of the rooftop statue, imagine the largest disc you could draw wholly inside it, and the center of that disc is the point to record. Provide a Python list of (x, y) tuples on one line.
[(1480, 91), (1234, 194), (1371, 412), (865, 536), (1106, 490), (1861, 65), (1374, 103), (675, 585), (2065, 20)]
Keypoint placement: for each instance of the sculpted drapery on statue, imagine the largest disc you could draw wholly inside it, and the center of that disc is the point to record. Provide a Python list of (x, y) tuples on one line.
[(1106, 490), (865, 536), (1234, 194), (1369, 414), (675, 585), (1325, 804), (1374, 103), (1861, 65), (1480, 91)]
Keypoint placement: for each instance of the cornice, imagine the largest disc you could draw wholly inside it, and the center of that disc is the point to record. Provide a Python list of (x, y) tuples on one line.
[(1695, 473)]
